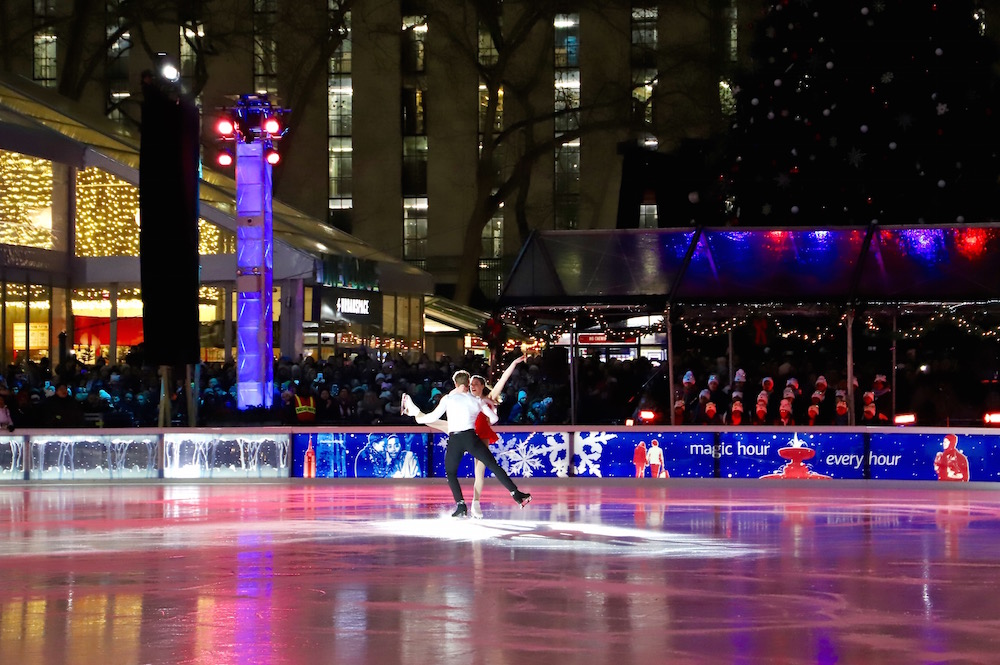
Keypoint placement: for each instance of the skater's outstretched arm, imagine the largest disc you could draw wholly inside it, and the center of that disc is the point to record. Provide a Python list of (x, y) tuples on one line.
[(498, 388)]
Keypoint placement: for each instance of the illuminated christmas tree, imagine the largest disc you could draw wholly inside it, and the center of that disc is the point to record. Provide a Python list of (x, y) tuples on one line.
[(858, 111)]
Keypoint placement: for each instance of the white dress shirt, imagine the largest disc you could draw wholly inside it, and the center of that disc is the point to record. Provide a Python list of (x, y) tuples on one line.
[(461, 409)]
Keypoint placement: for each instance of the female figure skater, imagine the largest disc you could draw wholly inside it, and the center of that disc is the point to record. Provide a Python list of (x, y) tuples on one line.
[(483, 429)]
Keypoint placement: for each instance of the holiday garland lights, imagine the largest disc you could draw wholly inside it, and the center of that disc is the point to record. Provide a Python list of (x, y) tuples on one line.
[(107, 222), (26, 204), (706, 323)]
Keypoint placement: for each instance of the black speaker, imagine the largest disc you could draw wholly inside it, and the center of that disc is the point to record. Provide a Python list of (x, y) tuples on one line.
[(168, 232)]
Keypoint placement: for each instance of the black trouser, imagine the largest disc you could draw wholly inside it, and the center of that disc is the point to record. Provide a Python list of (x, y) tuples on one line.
[(463, 442)]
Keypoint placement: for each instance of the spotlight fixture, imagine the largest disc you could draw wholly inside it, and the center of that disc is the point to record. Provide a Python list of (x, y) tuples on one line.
[(272, 156), (224, 158), (271, 125)]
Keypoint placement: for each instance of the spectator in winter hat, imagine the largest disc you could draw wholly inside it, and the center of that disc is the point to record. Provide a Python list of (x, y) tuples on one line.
[(738, 383), (826, 406), (690, 393), (868, 415), (710, 416), (717, 395), (840, 408), (760, 414), (812, 413), (680, 413), (735, 415), (883, 395), (785, 418)]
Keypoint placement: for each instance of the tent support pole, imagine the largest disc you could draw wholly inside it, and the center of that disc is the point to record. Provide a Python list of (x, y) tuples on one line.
[(670, 361), (732, 371), (572, 374), (892, 386), (851, 415)]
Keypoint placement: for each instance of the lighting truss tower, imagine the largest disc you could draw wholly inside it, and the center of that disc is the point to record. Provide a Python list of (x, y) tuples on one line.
[(253, 126)]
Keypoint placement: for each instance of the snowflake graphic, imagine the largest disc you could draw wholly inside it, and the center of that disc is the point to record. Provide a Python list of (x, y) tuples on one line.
[(887, 77), (589, 446), (855, 157), (942, 109), (525, 456)]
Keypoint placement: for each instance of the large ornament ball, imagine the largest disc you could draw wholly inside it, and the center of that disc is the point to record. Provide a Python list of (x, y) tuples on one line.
[(864, 129), (777, 83), (892, 145), (754, 102), (829, 64), (795, 210), (940, 184)]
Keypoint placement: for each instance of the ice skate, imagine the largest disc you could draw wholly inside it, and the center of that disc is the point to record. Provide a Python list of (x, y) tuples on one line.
[(522, 498), (477, 512), (460, 510)]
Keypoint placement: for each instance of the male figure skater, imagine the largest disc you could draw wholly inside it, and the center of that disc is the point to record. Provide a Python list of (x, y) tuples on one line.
[(462, 408)]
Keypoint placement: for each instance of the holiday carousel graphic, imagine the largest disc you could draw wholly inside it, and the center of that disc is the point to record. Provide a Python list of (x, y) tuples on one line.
[(796, 452)]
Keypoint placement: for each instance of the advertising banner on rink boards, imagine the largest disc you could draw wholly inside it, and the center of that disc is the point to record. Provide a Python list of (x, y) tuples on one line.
[(541, 454), (614, 454), (359, 455), (791, 454), (944, 456)]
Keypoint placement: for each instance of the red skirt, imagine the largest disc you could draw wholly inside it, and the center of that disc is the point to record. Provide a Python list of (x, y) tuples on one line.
[(483, 429)]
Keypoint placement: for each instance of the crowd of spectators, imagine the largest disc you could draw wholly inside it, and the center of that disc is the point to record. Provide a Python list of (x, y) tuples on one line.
[(358, 388)]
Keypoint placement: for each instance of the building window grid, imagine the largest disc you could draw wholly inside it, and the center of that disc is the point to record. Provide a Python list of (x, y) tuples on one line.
[(265, 56), (648, 216), (644, 71), (191, 36), (414, 180), (44, 63), (340, 110), (488, 56), (117, 62), (414, 44), (727, 98), (567, 83), (492, 247), (415, 229)]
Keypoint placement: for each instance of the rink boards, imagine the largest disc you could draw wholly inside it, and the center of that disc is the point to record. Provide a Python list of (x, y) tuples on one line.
[(409, 452)]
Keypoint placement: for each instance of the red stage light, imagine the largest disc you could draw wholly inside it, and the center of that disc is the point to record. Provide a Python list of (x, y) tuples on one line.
[(992, 419), (647, 415), (906, 419), (272, 156), (224, 158), (271, 125), (225, 127)]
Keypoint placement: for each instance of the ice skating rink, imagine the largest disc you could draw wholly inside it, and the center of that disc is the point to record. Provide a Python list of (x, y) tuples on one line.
[(591, 572)]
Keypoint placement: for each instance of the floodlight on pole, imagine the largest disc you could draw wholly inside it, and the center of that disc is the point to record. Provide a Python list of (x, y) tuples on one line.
[(249, 124)]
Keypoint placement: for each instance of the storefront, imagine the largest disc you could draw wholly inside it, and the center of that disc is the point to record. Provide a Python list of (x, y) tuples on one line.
[(69, 254)]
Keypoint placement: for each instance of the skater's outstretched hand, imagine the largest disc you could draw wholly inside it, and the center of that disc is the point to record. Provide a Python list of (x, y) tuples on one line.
[(407, 406)]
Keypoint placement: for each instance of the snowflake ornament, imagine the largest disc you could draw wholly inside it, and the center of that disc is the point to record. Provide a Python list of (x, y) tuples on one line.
[(942, 109), (887, 77)]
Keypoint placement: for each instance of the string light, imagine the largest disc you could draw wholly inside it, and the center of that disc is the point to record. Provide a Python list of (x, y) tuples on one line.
[(26, 204), (108, 220)]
